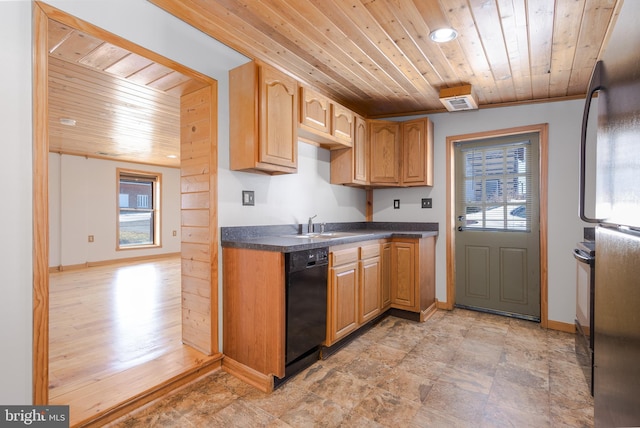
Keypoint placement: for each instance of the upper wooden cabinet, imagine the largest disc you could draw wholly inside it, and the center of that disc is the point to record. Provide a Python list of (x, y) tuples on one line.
[(417, 152), (401, 153), (263, 120), (351, 166), (323, 121), (384, 152)]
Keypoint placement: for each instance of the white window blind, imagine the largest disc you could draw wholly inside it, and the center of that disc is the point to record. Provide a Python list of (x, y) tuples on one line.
[(495, 184)]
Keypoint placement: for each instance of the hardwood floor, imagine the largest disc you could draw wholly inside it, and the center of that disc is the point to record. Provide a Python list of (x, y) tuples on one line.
[(115, 333)]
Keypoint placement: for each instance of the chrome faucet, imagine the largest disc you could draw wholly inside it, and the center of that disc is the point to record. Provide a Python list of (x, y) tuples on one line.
[(310, 228)]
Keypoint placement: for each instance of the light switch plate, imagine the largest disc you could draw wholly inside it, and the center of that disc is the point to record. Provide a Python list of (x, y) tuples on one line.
[(248, 198), (426, 203), (396, 204)]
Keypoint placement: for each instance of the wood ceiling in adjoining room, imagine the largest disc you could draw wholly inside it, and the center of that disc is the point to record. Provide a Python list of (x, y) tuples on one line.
[(107, 102), (376, 57)]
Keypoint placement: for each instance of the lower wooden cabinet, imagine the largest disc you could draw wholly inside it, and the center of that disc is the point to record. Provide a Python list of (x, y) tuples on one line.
[(368, 278), (370, 282), (344, 300), (354, 289), (412, 275)]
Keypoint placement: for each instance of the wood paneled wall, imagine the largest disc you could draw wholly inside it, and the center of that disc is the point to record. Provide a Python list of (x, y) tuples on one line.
[(198, 153)]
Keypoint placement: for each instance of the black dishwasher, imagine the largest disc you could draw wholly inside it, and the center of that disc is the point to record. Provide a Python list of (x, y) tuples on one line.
[(306, 294)]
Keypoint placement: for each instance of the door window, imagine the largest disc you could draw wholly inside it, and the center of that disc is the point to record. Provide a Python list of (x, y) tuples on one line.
[(495, 190)]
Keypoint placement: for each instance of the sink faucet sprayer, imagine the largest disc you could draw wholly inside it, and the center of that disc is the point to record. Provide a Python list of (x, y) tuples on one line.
[(310, 229)]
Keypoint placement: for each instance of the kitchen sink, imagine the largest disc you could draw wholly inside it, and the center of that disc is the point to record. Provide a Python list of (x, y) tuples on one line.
[(326, 235)]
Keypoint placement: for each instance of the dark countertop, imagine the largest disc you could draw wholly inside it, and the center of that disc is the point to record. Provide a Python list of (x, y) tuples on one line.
[(281, 238)]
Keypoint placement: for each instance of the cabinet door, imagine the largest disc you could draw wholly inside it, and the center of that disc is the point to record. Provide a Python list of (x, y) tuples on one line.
[(370, 281), (417, 147), (384, 152), (385, 276), (278, 118), (315, 110), (360, 151), (342, 124), (344, 301), (403, 290)]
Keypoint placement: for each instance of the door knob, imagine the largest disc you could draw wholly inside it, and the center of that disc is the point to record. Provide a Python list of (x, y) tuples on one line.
[(460, 217), (459, 228)]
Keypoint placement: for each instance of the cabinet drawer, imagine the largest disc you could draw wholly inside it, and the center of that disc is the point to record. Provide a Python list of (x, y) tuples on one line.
[(368, 251), (341, 257)]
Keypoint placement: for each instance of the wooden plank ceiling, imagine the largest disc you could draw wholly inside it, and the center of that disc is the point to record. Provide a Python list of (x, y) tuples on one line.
[(107, 102), (374, 56)]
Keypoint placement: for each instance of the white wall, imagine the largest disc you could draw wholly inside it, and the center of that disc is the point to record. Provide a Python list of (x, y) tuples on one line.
[(82, 202), (564, 227), (288, 198), (15, 216)]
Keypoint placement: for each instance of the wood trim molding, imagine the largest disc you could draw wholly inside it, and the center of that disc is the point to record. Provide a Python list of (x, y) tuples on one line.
[(543, 131), (64, 268), (42, 12), (246, 374), (208, 366), (561, 326), (40, 208)]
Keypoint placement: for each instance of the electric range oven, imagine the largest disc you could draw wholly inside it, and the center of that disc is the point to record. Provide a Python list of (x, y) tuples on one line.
[(584, 253)]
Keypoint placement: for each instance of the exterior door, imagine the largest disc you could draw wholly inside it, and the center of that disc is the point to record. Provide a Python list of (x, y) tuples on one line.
[(497, 225)]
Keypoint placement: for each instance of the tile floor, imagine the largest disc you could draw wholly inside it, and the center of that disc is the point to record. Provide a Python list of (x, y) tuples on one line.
[(458, 369)]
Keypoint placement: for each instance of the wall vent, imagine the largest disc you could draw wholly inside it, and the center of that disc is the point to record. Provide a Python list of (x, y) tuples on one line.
[(459, 98)]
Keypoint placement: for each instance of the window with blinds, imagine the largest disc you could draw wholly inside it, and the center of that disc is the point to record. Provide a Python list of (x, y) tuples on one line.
[(495, 186), (138, 209)]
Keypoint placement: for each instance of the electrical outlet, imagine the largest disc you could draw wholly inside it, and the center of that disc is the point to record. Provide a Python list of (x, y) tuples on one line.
[(175, 233), (426, 203), (90, 238), (396, 204), (248, 198)]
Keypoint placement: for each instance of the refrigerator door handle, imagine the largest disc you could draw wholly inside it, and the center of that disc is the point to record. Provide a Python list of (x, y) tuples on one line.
[(595, 84)]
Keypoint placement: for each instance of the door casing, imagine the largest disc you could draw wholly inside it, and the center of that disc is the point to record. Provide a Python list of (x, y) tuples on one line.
[(543, 131)]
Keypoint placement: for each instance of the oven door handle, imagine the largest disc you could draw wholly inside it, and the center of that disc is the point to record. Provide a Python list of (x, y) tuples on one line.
[(579, 257)]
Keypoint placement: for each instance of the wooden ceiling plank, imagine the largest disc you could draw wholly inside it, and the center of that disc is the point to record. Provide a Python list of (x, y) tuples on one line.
[(57, 34), (114, 88), (76, 46), (103, 56), (513, 14), (375, 61), (349, 45), (434, 18), (317, 49), (458, 13), (381, 28), (128, 65), (540, 17), (397, 24), (568, 20), (219, 23), (597, 15), (489, 25)]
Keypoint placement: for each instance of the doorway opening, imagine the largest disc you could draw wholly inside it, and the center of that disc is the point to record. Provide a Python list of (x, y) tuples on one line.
[(197, 111), (455, 220)]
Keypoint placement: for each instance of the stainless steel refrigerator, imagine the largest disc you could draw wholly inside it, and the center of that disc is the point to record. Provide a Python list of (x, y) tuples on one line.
[(616, 348)]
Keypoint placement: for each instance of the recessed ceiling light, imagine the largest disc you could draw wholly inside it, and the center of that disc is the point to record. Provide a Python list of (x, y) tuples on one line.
[(442, 35), (67, 121), (172, 156)]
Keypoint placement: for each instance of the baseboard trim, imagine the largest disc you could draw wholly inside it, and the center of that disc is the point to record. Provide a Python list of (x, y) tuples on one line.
[(64, 268), (428, 313), (248, 375), (561, 326)]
